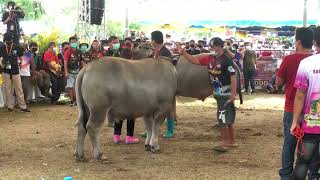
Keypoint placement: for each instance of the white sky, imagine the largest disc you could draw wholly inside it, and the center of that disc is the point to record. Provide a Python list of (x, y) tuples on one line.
[(184, 11)]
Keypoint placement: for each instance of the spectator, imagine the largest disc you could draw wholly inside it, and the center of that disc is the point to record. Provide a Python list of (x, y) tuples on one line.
[(126, 51), (307, 109), (72, 63), (187, 46), (10, 53), (249, 68), (128, 43), (272, 88), (40, 77), (84, 47), (11, 19), (64, 47), (27, 69), (114, 47), (201, 46), (193, 48), (286, 76), (85, 54), (53, 66), (237, 55), (95, 51), (161, 50), (317, 39), (158, 44), (276, 46)]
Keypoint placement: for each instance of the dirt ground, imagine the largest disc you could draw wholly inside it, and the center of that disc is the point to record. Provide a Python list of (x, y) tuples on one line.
[(41, 144)]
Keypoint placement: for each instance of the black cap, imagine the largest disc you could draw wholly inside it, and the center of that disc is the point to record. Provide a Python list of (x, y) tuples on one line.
[(12, 3), (8, 37), (216, 42)]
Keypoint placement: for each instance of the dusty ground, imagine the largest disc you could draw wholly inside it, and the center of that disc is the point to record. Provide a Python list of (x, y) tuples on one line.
[(42, 144)]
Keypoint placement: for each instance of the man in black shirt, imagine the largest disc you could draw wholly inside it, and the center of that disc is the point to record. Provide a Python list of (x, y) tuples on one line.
[(157, 43), (222, 78), (114, 47), (11, 19), (193, 48), (201, 46), (10, 53), (161, 50)]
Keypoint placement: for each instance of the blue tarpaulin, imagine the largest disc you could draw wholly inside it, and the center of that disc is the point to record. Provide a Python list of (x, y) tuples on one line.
[(247, 23)]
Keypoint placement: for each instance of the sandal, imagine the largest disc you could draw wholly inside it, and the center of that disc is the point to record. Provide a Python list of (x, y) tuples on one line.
[(233, 145), (220, 148)]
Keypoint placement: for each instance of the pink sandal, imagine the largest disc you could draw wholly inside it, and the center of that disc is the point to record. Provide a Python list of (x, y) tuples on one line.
[(132, 140), (116, 139)]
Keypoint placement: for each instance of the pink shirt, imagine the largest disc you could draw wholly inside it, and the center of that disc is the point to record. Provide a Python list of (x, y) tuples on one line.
[(308, 78)]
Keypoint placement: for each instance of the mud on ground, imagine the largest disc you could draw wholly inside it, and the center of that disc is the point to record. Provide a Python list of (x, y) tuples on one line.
[(42, 144)]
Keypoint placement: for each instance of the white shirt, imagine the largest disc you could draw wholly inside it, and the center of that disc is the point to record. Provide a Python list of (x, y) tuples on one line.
[(25, 66)]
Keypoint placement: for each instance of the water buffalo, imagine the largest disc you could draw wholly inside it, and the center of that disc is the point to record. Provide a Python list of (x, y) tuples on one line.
[(122, 88), (193, 80)]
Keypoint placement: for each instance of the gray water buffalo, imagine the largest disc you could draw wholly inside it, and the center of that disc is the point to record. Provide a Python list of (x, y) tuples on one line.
[(193, 80), (122, 88)]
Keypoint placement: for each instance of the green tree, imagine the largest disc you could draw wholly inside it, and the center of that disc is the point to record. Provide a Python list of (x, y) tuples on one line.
[(115, 29), (135, 26), (32, 8)]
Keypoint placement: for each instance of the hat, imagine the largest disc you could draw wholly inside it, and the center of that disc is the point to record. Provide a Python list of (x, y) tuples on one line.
[(216, 42), (84, 44), (8, 37)]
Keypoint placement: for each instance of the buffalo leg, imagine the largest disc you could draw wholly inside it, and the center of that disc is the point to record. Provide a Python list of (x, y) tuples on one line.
[(82, 132), (94, 125), (79, 152), (175, 110), (157, 122), (148, 127)]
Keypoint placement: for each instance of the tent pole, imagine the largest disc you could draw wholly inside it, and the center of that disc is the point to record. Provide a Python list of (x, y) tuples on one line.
[(305, 13), (126, 32)]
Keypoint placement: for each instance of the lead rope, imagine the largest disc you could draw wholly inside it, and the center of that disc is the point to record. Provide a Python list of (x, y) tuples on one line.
[(298, 133)]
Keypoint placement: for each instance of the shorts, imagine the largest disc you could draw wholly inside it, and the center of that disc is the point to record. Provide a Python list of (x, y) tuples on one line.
[(226, 111), (71, 80)]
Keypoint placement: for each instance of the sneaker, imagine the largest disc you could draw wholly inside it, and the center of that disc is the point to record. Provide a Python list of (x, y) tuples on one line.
[(25, 110), (73, 104), (131, 140), (116, 139), (167, 135)]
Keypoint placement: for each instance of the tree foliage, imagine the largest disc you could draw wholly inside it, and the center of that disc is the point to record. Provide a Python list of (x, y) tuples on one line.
[(115, 28), (134, 26)]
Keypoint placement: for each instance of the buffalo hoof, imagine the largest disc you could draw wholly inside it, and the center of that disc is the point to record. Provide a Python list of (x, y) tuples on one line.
[(102, 160), (155, 150), (98, 156), (79, 158), (147, 147)]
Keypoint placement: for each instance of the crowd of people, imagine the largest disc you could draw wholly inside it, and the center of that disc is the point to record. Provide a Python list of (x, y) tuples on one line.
[(55, 72)]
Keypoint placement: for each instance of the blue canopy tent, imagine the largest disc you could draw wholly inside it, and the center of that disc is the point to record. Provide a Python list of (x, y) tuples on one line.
[(254, 23)]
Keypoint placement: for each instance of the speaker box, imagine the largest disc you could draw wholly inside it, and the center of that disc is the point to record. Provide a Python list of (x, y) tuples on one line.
[(96, 11)]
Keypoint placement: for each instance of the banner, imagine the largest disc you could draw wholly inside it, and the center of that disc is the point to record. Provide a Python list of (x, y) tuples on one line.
[(266, 68)]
